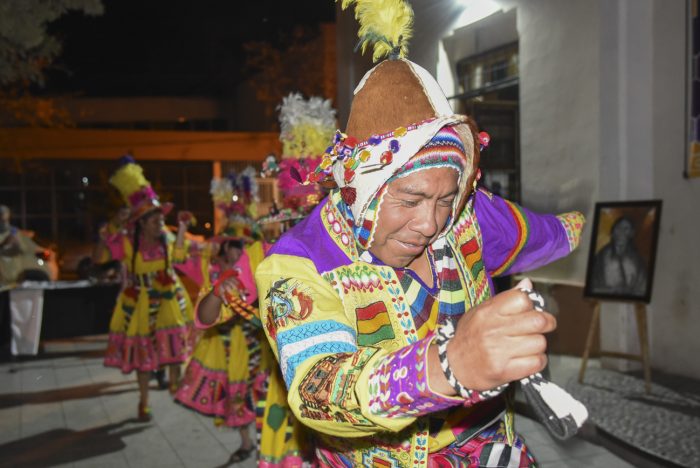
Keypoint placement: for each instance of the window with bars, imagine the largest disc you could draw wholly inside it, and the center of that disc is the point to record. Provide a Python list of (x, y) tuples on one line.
[(488, 71), (489, 93)]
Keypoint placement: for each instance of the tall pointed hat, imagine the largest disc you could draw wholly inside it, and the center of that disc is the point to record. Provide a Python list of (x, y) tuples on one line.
[(136, 190), (397, 111)]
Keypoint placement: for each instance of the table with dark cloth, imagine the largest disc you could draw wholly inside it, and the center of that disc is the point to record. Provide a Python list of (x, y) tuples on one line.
[(31, 311)]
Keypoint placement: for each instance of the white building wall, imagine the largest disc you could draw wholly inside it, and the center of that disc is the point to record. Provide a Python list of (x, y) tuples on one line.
[(675, 309), (559, 114), (604, 83)]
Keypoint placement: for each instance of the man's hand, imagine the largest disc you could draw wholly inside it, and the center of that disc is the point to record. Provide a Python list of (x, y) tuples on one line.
[(500, 340)]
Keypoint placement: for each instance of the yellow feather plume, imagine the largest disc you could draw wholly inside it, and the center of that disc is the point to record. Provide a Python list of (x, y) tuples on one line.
[(128, 179), (385, 24)]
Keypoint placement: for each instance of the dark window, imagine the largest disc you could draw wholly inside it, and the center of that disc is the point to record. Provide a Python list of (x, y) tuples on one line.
[(489, 94)]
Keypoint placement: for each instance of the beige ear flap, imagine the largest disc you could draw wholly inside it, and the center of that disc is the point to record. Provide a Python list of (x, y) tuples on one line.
[(468, 133)]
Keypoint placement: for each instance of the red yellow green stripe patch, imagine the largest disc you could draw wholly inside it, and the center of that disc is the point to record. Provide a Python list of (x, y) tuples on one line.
[(523, 233), (373, 324)]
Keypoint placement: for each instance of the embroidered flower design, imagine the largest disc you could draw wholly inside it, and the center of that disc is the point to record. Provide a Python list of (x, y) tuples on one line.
[(348, 194)]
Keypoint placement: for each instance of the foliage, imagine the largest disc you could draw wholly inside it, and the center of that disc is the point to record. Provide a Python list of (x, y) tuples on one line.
[(306, 125), (26, 51), (26, 47), (275, 71), (17, 104)]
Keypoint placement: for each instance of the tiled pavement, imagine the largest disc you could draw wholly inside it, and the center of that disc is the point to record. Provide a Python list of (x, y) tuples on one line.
[(67, 410), (64, 409)]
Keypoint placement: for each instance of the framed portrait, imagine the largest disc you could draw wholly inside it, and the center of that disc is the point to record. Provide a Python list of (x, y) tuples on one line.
[(692, 157), (623, 250)]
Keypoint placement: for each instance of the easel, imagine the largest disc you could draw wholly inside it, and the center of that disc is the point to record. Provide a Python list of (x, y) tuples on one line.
[(641, 315)]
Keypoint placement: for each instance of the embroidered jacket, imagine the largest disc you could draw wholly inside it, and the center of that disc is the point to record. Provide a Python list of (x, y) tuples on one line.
[(351, 337)]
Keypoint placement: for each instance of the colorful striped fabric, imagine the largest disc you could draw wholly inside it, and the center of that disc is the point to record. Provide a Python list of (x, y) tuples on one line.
[(523, 232), (365, 232), (452, 296), (428, 308), (373, 324), (308, 339), (424, 306), (467, 239)]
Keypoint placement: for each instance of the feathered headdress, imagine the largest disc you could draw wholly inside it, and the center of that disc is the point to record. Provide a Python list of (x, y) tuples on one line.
[(306, 126), (136, 190), (397, 108), (385, 24), (236, 195)]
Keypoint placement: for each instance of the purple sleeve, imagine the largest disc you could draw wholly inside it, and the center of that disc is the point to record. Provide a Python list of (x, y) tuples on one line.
[(516, 239), (399, 384)]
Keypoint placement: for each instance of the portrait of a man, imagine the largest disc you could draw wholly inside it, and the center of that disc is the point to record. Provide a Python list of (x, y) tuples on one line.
[(623, 249)]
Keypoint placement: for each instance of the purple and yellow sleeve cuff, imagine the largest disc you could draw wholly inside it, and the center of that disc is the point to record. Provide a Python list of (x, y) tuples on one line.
[(573, 225), (398, 386)]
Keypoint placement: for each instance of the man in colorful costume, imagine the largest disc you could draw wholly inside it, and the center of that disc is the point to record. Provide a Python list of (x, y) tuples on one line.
[(352, 297)]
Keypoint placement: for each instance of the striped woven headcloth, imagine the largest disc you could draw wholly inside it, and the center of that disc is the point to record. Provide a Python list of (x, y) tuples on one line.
[(445, 149)]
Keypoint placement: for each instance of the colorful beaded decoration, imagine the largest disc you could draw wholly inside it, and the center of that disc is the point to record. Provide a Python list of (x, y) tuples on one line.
[(353, 153)]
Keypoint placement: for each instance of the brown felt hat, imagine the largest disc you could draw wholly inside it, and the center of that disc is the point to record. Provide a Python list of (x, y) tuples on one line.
[(398, 94), (392, 96)]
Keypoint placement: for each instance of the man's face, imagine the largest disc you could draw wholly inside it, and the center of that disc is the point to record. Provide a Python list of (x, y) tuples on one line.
[(413, 213), (621, 235)]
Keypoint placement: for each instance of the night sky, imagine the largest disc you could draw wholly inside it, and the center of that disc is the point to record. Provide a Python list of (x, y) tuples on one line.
[(175, 47)]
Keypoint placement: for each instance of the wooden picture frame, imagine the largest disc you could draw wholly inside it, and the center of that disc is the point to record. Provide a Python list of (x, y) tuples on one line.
[(623, 248)]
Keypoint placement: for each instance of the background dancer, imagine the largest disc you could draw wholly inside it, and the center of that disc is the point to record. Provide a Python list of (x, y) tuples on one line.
[(152, 320)]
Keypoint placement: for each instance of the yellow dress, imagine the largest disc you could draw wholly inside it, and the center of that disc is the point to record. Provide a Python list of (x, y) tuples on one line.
[(152, 321), (223, 378), (233, 366)]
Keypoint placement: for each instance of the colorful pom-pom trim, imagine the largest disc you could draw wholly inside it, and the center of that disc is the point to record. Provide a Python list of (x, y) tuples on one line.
[(352, 153), (484, 140)]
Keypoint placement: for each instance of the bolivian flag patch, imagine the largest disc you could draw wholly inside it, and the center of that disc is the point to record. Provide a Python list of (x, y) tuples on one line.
[(373, 324)]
